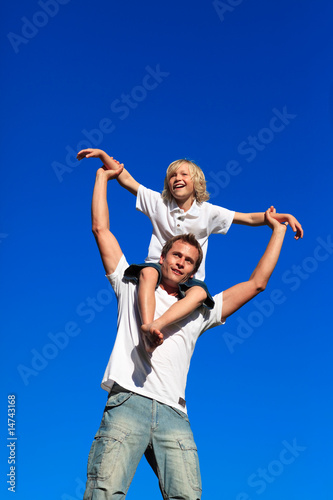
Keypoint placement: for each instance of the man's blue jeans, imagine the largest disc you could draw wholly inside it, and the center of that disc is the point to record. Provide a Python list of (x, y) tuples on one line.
[(133, 426)]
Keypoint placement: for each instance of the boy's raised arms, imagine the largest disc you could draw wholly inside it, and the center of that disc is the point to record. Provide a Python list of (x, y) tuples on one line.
[(125, 179)]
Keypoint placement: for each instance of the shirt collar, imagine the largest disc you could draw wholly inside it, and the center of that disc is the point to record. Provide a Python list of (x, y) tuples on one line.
[(192, 212)]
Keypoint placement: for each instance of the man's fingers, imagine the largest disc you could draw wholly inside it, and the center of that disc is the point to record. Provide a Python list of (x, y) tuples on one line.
[(117, 172)]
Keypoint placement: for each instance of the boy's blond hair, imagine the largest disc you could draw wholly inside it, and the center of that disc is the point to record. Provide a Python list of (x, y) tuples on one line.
[(197, 176)]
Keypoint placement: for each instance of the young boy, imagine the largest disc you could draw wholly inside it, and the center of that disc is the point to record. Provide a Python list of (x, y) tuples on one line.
[(181, 208)]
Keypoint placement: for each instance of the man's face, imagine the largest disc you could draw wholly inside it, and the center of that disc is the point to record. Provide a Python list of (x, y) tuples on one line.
[(180, 183), (178, 264)]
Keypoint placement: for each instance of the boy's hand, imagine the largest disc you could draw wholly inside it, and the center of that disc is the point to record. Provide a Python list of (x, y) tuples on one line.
[(109, 162), (293, 223), (89, 153)]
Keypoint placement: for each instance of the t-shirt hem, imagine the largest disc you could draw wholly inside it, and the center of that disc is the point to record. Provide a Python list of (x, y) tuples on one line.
[(107, 386)]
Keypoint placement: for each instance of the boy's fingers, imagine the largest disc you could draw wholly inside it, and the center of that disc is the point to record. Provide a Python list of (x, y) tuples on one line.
[(299, 233), (83, 153)]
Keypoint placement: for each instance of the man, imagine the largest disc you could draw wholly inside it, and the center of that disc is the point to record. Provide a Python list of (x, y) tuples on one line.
[(146, 410)]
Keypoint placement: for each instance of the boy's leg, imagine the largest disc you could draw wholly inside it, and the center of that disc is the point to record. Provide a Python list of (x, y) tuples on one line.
[(146, 294), (146, 301), (194, 298)]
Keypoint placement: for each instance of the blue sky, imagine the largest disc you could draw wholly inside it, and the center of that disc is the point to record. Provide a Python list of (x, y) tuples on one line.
[(243, 88)]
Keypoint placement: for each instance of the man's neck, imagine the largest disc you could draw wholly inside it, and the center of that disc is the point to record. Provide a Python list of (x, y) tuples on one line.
[(170, 289)]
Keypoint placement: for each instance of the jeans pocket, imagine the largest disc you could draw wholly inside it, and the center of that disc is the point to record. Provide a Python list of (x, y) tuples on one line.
[(180, 413), (117, 399), (104, 452), (191, 460)]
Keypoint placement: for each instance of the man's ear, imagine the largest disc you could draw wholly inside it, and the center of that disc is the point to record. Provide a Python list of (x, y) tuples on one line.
[(161, 259)]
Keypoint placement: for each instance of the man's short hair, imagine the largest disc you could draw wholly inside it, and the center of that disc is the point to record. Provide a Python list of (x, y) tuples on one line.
[(186, 238)]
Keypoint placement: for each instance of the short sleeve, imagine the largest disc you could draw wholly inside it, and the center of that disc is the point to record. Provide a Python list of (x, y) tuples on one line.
[(146, 200), (212, 317), (220, 219), (116, 278)]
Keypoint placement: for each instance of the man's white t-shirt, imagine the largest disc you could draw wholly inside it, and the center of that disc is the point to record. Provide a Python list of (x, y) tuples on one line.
[(161, 375), (168, 220)]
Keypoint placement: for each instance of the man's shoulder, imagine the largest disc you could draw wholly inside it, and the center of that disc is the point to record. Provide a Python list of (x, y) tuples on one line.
[(118, 273), (212, 317)]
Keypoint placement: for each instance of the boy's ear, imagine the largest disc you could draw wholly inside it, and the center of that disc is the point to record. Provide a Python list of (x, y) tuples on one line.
[(161, 259)]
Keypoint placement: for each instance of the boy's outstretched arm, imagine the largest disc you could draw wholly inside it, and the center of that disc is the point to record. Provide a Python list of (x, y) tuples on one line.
[(125, 179), (258, 219), (108, 245), (238, 295)]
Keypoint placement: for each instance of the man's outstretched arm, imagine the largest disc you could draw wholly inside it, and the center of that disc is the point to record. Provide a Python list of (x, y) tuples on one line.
[(108, 245), (238, 295)]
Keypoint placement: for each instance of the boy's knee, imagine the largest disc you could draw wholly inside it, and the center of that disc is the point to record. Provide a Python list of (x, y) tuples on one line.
[(148, 274), (198, 292)]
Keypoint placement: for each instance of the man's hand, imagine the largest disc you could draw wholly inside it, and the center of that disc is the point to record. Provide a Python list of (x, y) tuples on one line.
[(110, 174), (272, 220), (293, 223)]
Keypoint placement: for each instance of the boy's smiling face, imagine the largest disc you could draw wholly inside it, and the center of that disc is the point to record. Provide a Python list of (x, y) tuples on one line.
[(181, 185)]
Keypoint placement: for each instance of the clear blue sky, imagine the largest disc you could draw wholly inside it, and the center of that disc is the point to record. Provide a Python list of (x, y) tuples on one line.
[(243, 88)]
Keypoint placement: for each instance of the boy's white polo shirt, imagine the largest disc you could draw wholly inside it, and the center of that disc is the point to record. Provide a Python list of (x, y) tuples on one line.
[(168, 220)]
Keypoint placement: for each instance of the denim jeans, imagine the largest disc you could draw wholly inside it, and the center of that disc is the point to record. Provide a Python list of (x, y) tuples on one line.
[(133, 426)]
